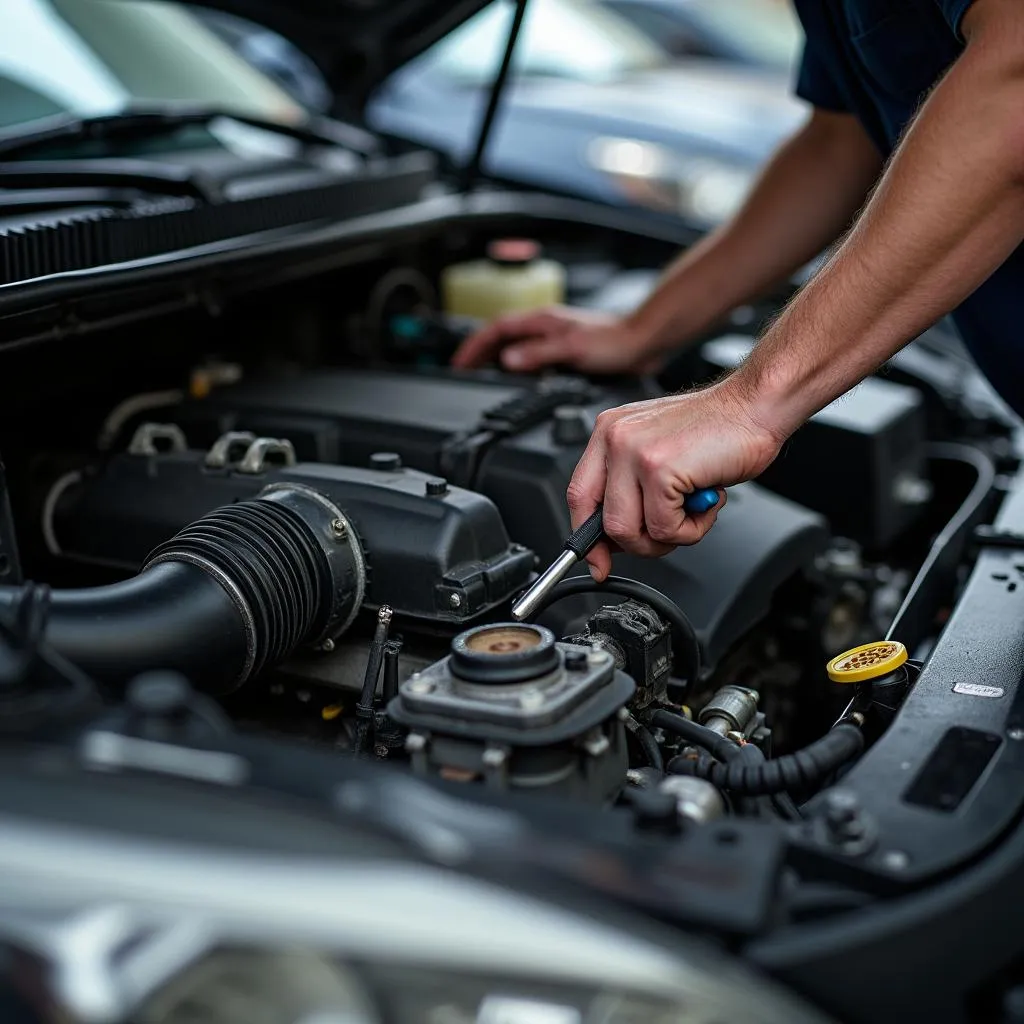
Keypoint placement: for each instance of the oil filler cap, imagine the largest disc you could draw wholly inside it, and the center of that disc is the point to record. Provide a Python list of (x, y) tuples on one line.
[(504, 653), (869, 661)]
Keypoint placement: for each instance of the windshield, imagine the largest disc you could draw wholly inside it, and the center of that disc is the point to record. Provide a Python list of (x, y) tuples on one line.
[(569, 39), (87, 57), (766, 31)]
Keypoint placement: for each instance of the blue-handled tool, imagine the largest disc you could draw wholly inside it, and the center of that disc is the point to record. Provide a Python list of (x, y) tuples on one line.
[(580, 543)]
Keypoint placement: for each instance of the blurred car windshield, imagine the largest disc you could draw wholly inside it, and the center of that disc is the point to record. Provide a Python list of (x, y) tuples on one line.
[(570, 39), (88, 57), (766, 31)]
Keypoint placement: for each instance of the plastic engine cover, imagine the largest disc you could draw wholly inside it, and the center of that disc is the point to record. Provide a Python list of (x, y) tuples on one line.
[(517, 441), (443, 557)]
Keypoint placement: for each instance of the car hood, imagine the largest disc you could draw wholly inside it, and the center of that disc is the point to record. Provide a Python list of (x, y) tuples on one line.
[(744, 112), (355, 43)]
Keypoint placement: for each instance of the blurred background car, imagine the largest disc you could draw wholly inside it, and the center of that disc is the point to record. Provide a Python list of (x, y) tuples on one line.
[(759, 33), (595, 107)]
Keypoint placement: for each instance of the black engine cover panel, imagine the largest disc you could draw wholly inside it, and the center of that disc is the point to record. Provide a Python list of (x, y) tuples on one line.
[(498, 435)]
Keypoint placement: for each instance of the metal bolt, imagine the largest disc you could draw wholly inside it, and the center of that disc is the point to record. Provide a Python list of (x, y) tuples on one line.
[(326, 646), (896, 860), (1016, 734), (455, 600), (415, 742), (530, 700), (635, 777), (338, 528), (597, 658), (736, 737), (419, 685), (623, 714)]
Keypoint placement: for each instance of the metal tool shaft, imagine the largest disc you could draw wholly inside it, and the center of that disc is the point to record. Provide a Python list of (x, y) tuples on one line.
[(543, 585)]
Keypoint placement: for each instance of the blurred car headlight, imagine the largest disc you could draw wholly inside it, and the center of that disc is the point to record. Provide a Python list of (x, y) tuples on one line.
[(703, 190), (143, 931)]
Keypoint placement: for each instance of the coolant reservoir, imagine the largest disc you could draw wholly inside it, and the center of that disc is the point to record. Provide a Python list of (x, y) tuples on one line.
[(513, 277)]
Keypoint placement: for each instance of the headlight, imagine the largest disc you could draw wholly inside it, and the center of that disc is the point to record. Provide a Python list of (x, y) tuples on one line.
[(704, 190), (147, 931)]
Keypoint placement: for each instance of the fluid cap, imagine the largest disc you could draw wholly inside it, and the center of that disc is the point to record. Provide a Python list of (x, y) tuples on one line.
[(513, 252), (869, 661), (506, 653)]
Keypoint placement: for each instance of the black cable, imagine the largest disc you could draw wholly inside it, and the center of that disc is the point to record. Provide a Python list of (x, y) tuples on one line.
[(698, 735), (800, 770), (648, 744), (690, 654)]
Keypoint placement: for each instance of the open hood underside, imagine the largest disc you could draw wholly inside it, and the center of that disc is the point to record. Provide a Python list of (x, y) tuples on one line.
[(355, 43)]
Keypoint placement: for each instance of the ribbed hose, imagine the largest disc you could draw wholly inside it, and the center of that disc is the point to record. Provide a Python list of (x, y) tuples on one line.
[(732, 772), (266, 550), (233, 592)]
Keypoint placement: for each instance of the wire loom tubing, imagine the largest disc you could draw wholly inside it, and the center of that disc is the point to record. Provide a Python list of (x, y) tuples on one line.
[(737, 774)]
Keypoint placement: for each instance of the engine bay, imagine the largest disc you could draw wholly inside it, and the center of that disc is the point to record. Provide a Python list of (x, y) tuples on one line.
[(285, 519)]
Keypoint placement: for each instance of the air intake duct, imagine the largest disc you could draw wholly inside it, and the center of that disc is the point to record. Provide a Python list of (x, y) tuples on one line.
[(234, 592)]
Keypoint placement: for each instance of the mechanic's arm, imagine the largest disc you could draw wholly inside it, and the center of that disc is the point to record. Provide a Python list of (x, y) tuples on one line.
[(804, 199), (948, 211)]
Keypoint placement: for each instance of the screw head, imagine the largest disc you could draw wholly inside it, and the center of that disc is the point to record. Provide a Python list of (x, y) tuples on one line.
[(415, 742), (1015, 734), (338, 528), (455, 600), (530, 700), (326, 646), (418, 685)]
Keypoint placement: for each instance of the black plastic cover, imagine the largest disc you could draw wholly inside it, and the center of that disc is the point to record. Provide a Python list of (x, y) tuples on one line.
[(443, 558), (869, 446), (446, 422)]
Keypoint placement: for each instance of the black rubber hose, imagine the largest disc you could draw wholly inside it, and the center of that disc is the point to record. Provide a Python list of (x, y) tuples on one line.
[(173, 616), (236, 590), (801, 770), (648, 744), (697, 735), (686, 637)]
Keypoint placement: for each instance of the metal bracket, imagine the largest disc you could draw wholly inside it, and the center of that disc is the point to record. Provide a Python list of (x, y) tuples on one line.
[(255, 459), (144, 440), (228, 448)]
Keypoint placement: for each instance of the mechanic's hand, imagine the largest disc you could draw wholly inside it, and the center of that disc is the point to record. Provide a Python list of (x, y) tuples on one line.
[(584, 340), (643, 459)]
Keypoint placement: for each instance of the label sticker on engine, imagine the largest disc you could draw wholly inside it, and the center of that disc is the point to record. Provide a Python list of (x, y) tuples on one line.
[(978, 690)]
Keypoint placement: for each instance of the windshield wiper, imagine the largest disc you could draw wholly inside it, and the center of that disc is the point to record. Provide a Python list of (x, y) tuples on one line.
[(141, 123)]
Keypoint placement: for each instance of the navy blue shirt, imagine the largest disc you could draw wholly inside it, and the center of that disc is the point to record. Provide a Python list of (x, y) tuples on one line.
[(877, 59)]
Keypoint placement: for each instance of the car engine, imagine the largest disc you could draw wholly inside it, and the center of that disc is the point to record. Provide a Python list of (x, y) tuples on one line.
[(292, 522)]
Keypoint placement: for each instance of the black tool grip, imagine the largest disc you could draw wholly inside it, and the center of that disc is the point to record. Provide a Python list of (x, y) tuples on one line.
[(587, 534)]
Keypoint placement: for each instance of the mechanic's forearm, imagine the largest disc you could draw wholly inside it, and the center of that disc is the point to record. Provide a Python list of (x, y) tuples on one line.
[(805, 198), (949, 210)]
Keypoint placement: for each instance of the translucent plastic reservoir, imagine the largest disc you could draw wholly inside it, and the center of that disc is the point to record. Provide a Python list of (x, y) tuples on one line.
[(514, 277)]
